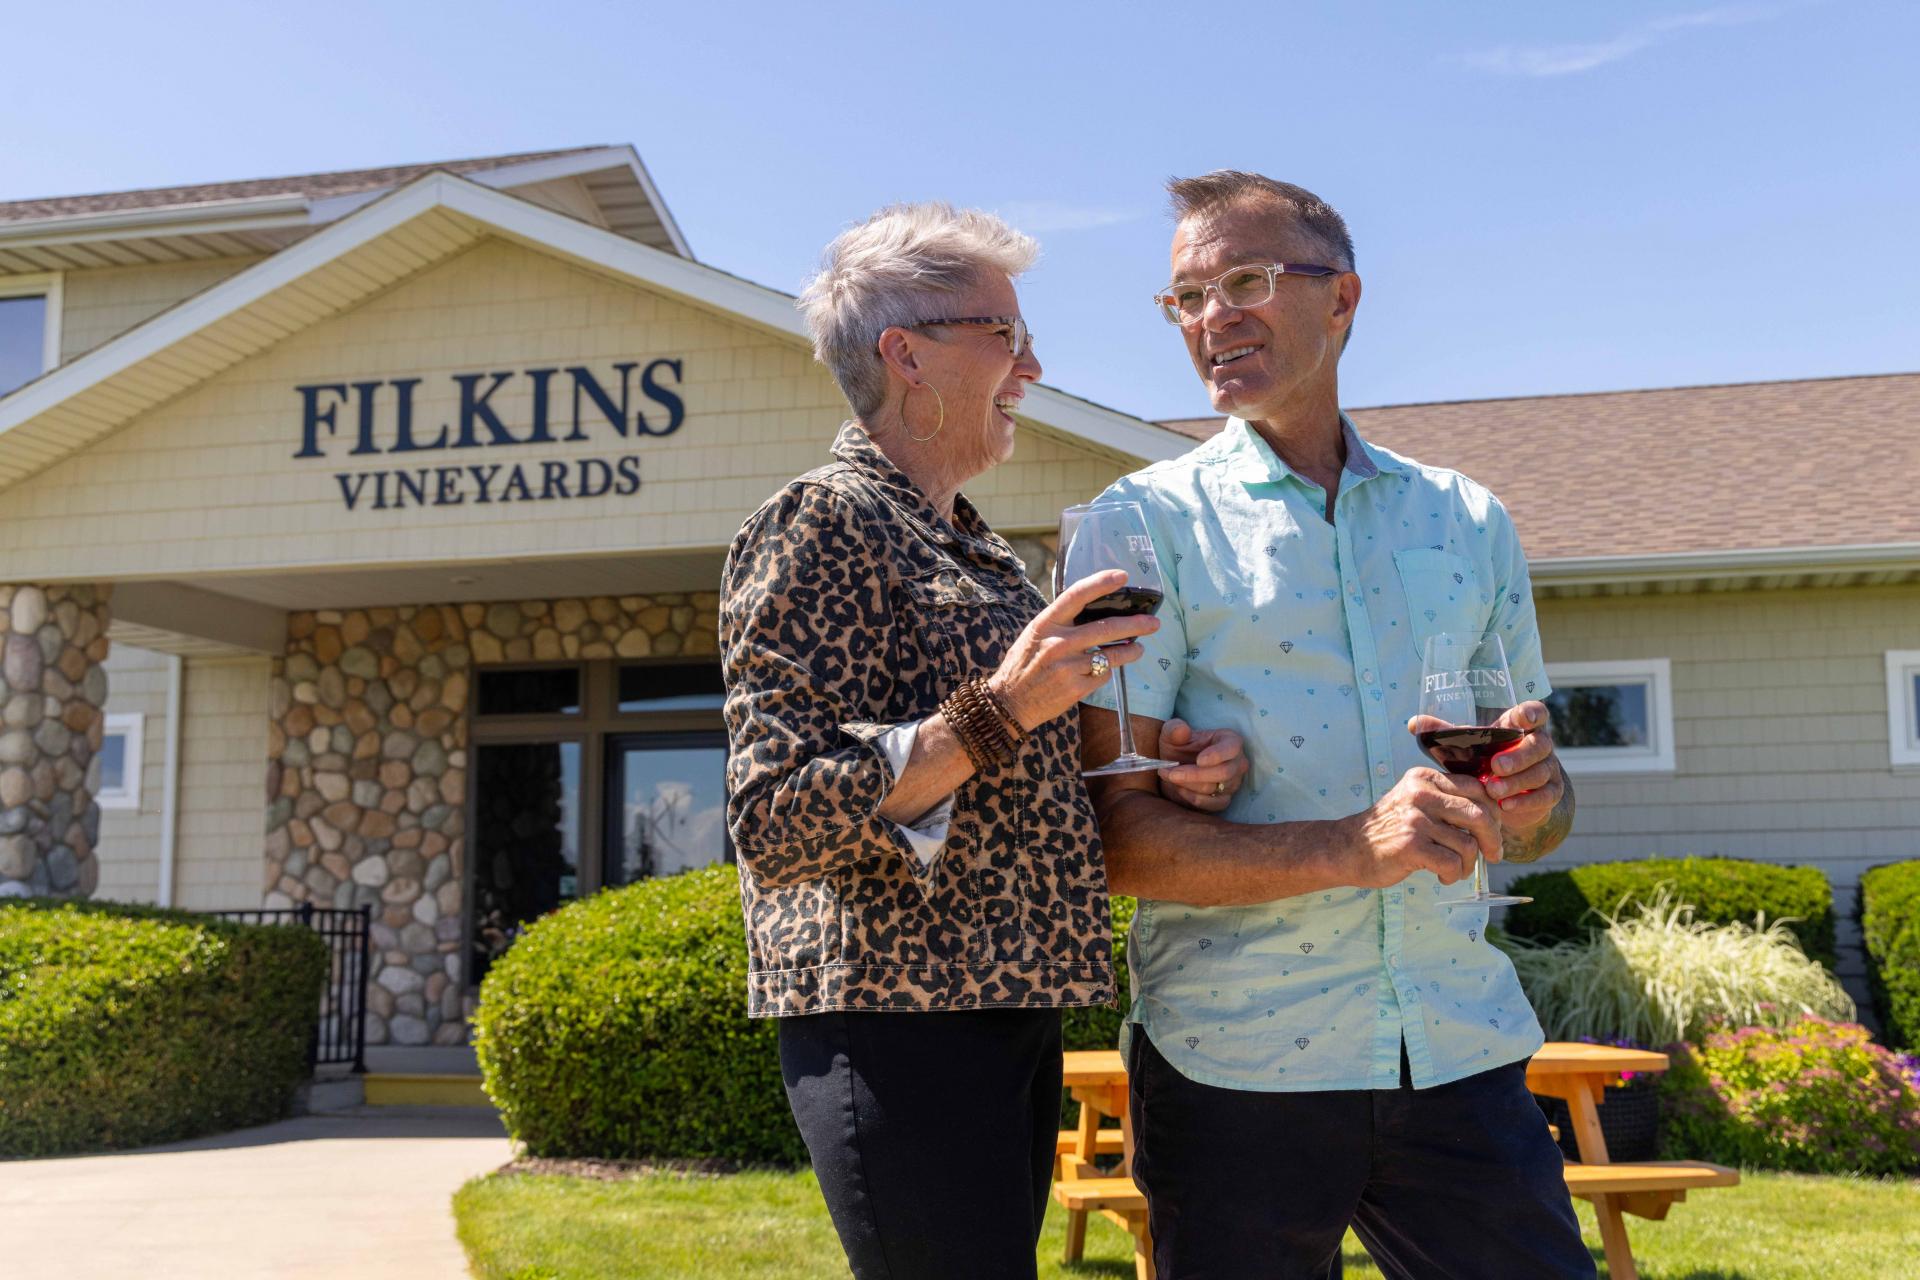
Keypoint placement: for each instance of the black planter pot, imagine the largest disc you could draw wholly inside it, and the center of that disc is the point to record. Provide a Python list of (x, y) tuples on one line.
[(1629, 1120)]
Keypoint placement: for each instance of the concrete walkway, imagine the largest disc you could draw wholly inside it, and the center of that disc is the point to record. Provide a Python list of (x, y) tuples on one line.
[(363, 1194)]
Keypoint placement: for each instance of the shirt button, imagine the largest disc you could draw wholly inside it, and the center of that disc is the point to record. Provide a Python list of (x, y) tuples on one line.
[(1394, 960), (1367, 675), (1380, 769)]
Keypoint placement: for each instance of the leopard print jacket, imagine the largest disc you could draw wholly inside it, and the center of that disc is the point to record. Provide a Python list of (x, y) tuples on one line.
[(848, 607)]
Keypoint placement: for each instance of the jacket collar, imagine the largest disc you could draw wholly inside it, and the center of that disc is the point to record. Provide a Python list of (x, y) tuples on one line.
[(966, 532)]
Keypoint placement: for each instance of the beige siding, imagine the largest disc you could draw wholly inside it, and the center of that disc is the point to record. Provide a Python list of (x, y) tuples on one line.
[(130, 838), (223, 770), (1780, 728), (209, 481), (104, 303)]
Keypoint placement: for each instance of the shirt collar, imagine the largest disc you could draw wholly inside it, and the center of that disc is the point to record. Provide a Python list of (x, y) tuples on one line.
[(856, 448), (1251, 459)]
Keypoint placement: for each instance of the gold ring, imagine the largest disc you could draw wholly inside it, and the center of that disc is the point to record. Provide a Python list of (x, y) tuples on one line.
[(1098, 665)]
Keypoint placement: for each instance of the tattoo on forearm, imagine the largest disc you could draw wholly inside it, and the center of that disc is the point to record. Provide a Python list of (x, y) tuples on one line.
[(1531, 846)]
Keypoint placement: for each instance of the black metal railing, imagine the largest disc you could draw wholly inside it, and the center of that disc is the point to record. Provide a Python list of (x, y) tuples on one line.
[(340, 1031)]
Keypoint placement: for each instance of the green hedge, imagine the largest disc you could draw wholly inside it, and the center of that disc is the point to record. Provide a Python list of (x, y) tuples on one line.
[(1890, 927), (125, 1026), (1567, 903), (617, 1027)]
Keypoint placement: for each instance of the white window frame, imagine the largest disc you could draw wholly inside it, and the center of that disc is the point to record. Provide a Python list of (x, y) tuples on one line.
[(45, 284), (1903, 741), (1655, 757), (134, 726)]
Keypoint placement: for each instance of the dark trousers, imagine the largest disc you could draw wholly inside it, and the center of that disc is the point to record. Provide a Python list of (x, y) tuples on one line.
[(1458, 1182), (932, 1135)]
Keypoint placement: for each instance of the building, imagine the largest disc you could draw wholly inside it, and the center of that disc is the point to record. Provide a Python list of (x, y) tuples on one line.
[(359, 535)]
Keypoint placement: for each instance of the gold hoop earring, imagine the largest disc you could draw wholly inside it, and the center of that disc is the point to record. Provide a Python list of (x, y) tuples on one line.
[(938, 426)]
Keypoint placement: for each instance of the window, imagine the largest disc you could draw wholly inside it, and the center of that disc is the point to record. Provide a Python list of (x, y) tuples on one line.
[(119, 759), (589, 775), (1613, 717), (29, 328), (1903, 706)]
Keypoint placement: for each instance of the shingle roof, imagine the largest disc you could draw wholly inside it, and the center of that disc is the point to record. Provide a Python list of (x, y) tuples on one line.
[(311, 185), (1821, 463)]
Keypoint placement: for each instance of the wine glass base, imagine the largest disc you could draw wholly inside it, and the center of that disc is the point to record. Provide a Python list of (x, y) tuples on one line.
[(1483, 900), (1128, 764)]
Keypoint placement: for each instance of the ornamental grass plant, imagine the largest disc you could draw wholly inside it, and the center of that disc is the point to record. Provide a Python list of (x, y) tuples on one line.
[(1656, 975)]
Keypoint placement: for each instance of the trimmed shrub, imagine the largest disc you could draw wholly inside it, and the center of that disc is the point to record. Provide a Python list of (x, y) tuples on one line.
[(1659, 975), (1813, 1097), (1572, 903), (1890, 927), (125, 1026), (617, 1027)]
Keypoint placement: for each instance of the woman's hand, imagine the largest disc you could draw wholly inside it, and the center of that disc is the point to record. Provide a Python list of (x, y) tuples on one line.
[(1049, 668), (1213, 764)]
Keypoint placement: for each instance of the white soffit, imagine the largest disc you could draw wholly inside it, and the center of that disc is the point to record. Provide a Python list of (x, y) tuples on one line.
[(370, 250)]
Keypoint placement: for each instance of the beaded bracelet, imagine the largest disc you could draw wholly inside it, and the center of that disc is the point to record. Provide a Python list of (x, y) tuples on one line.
[(979, 721)]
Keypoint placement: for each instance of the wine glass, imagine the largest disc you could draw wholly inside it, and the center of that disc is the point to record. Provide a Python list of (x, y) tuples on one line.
[(1097, 537), (1465, 684)]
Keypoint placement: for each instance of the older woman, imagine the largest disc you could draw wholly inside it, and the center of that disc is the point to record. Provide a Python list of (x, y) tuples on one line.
[(921, 870)]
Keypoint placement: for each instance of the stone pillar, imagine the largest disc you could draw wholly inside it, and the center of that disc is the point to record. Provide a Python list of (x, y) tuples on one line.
[(53, 691)]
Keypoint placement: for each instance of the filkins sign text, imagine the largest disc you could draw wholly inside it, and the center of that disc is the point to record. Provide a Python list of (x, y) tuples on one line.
[(378, 417)]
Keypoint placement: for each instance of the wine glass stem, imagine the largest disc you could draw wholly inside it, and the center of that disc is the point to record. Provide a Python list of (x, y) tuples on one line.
[(1126, 717), (1479, 877)]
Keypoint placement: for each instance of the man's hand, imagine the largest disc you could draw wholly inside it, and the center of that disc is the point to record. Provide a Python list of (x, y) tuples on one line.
[(1213, 764), (1527, 783), (1430, 821)]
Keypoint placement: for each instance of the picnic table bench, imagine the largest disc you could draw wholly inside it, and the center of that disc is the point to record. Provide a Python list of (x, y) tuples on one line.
[(1577, 1073)]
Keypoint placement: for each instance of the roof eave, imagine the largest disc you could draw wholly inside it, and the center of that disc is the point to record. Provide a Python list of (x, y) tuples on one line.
[(1751, 562)]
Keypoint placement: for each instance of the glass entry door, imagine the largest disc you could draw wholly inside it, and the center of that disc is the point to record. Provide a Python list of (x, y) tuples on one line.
[(666, 804), (527, 804)]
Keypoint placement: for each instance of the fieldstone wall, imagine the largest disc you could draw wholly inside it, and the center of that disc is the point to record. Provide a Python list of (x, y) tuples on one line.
[(367, 768), (53, 640)]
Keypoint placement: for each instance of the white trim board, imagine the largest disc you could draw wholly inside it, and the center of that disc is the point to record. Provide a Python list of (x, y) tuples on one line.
[(1658, 756), (514, 219), (1903, 737)]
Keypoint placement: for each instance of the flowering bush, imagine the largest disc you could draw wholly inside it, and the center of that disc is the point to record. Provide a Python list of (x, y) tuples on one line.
[(1813, 1097)]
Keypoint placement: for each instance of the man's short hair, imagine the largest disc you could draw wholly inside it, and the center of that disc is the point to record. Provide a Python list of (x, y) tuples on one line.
[(1306, 210)]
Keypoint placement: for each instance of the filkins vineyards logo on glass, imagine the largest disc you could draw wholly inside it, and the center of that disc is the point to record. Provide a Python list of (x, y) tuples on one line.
[(566, 405), (1456, 684)]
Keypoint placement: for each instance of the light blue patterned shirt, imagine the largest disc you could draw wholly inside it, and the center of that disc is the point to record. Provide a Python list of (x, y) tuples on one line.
[(1306, 637)]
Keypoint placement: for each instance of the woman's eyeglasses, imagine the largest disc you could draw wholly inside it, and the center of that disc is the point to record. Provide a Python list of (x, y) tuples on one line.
[(1012, 328)]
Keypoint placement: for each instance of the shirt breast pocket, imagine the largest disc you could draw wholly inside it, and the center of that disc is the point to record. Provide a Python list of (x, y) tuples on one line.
[(1443, 593)]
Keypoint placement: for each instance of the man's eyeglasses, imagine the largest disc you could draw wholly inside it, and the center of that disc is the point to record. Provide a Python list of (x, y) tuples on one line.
[(1012, 328), (1242, 287)]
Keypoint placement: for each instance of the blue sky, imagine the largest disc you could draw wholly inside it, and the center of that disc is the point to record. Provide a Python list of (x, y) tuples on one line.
[(1545, 197)]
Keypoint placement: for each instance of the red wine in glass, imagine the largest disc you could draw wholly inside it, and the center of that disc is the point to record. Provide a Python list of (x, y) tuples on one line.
[(1466, 750), (1466, 688), (1124, 603)]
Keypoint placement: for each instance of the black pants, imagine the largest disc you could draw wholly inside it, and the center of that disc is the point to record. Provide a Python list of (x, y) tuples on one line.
[(1457, 1182), (932, 1135)]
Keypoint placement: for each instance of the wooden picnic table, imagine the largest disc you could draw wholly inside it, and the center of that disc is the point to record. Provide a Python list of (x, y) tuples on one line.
[(1579, 1074)]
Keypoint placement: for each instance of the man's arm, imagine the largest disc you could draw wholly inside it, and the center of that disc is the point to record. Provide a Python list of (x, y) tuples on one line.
[(1156, 849)]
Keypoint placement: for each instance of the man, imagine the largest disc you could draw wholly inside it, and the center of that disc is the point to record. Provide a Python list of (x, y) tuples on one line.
[(1315, 1039)]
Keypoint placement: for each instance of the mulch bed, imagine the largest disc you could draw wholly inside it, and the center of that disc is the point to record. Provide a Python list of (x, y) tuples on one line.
[(624, 1170)]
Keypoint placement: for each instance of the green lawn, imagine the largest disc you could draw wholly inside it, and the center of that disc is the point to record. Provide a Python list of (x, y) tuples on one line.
[(773, 1226)]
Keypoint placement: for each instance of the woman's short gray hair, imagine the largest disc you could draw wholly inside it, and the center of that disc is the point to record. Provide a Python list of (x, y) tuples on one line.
[(894, 269)]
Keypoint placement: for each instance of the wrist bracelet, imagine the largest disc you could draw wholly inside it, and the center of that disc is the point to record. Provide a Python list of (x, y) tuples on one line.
[(977, 724)]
